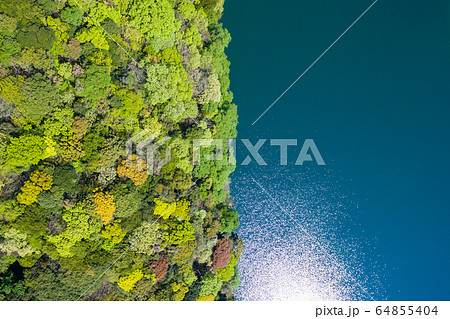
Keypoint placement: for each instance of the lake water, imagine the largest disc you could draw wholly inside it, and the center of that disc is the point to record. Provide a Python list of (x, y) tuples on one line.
[(373, 223)]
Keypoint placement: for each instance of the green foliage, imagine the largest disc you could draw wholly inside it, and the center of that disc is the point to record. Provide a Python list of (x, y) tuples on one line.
[(204, 249), (127, 112), (38, 58), (65, 179), (65, 70), (182, 210), (59, 123), (155, 19), (145, 237), (188, 273), (19, 8), (24, 151), (39, 181), (9, 49), (9, 284), (127, 203), (206, 298), (36, 35), (110, 26), (35, 96), (235, 281), (114, 232), (168, 85), (212, 6), (94, 83), (226, 273), (214, 56), (158, 85), (178, 209), (92, 142), (72, 15), (102, 11), (180, 289), (10, 209), (7, 24), (10, 89), (210, 284), (94, 35), (187, 9), (212, 92), (171, 56), (15, 242), (184, 252), (180, 151), (229, 221), (180, 233), (226, 122), (39, 97), (49, 281), (61, 31), (73, 96), (79, 226), (33, 222)]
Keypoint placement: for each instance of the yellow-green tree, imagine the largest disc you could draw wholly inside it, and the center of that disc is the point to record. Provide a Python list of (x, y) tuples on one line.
[(26, 150), (114, 232), (180, 289), (206, 298), (15, 242), (180, 232), (39, 181), (79, 225), (163, 209), (179, 209), (127, 282), (145, 237)]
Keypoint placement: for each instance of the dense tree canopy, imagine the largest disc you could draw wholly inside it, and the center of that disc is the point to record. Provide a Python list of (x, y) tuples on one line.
[(99, 110)]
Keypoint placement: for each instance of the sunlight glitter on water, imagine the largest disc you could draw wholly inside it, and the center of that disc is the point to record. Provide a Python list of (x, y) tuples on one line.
[(311, 258)]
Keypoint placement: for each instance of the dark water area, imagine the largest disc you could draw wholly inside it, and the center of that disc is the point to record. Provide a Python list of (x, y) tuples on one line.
[(373, 223)]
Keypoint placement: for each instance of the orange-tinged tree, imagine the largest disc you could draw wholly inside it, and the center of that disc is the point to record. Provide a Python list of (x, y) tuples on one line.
[(105, 205), (134, 168), (159, 267), (221, 255)]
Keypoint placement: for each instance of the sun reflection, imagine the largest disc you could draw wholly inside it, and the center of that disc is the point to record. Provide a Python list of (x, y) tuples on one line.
[(285, 261)]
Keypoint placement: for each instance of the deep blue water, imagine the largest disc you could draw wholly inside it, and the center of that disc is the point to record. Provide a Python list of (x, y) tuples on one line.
[(377, 107)]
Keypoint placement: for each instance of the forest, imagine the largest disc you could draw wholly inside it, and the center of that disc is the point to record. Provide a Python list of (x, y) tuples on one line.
[(82, 217)]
